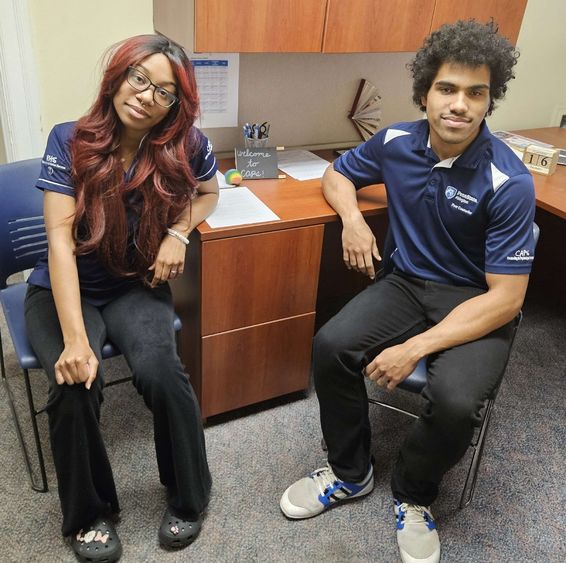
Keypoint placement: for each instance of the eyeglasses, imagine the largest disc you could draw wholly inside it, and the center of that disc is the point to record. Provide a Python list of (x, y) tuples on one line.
[(140, 82)]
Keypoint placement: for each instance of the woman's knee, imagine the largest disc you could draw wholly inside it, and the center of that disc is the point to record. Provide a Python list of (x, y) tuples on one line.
[(162, 373), (70, 401)]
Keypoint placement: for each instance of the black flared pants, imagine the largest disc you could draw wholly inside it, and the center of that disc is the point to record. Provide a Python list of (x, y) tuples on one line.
[(140, 323)]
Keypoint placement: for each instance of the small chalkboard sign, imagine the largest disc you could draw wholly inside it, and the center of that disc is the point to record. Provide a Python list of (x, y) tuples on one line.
[(256, 163)]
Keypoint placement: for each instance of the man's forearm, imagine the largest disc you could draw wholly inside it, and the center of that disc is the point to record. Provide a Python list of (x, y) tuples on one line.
[(340, 194), (469, 321)]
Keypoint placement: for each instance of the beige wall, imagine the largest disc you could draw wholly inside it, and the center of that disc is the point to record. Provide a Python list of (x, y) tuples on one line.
[(2, 147), (69, 39), (305, 96), (537, 97)]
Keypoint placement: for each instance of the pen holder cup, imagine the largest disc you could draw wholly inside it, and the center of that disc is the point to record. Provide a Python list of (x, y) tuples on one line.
[(256, 143)]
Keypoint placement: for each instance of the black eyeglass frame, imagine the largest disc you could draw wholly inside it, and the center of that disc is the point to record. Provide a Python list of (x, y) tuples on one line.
[(133, 69)]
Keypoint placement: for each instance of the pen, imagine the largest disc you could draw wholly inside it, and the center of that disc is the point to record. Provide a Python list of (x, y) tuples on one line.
[(256, 130)]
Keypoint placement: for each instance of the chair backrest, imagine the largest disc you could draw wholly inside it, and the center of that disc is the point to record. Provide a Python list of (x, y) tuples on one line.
[(22, 228)]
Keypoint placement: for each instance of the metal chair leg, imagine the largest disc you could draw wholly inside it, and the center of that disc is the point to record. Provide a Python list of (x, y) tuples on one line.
[(35, 485), (34, 413), (391, 407), (471, 478)]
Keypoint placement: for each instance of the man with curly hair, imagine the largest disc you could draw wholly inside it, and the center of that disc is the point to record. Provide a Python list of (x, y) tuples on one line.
[(461, 207)]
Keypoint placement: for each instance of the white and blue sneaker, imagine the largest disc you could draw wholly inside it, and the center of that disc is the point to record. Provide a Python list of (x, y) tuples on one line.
[(312, 495), (416, 533)]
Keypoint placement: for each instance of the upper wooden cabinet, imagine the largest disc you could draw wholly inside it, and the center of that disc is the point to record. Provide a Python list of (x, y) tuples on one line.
[(359, 26), (328, 26), (507, 13), (254, 26)]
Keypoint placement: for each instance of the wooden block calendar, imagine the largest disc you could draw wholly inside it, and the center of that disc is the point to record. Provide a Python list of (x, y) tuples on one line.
[(542, 160)]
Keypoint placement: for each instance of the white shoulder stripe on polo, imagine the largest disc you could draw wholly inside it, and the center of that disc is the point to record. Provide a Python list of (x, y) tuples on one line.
[(391, 134), (56, 183), (497, 177), (211, 167)]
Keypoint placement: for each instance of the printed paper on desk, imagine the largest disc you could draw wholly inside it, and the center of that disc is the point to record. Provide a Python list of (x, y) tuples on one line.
[(302, 165), (239, 207)]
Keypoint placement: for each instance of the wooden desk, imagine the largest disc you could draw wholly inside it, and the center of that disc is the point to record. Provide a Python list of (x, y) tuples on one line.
[(550, 190), (248, 296)]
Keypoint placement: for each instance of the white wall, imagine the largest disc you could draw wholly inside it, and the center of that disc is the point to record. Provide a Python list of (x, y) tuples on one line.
[(69, 39)]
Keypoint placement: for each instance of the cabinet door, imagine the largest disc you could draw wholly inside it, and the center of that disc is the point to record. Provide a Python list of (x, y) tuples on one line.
[(255, 279), (507, 13), (359, 26), (253, 26), (253, 364)]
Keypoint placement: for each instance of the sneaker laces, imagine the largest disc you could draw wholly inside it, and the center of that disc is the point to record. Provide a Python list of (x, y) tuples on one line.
[(415, 514), (324, 478)]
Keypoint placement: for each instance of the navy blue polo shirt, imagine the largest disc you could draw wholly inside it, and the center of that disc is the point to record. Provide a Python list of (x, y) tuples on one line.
[(98, 286), (455, 220)]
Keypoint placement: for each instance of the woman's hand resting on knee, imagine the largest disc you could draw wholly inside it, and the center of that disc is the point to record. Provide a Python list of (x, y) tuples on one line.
[(76, 364)]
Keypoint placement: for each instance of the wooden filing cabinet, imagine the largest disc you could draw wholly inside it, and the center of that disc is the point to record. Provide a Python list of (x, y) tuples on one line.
[(248, 295), (248, 309)]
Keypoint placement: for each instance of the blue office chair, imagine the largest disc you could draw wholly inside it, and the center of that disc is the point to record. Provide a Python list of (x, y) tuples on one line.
[(22, 241), (416, 382)]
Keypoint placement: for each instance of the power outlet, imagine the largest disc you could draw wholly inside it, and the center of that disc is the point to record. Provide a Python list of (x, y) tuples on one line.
[(558, 117)]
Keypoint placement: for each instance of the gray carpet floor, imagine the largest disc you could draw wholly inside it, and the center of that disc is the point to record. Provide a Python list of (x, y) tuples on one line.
[(517, 515)]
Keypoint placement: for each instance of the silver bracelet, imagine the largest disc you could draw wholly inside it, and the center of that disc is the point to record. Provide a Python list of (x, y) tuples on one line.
[(178, 236)]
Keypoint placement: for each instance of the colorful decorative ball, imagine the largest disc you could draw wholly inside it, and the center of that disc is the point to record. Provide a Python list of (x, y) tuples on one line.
[(233, 177)]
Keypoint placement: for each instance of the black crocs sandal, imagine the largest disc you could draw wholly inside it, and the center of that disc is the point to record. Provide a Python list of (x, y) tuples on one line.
[(99, 543), (176, 532)]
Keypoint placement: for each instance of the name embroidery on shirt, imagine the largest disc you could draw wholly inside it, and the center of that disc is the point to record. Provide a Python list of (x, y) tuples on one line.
[(466, 202)]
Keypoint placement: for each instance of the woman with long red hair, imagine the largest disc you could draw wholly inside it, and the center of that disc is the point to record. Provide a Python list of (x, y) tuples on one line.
[(124, 186)]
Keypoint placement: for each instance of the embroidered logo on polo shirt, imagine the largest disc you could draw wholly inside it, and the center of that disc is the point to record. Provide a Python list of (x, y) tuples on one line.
[(208, 149), (521, 256), (450, 192), (51, 161), (467, 202)]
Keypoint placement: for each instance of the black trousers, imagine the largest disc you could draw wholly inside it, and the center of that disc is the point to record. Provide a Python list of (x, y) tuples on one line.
[(460, 379), (140, 323)]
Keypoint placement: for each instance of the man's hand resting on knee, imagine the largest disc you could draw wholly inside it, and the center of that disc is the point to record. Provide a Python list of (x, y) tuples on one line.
[(393, 365)]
